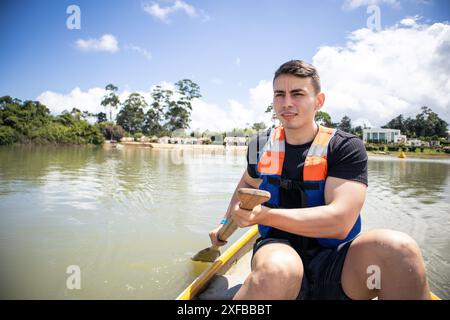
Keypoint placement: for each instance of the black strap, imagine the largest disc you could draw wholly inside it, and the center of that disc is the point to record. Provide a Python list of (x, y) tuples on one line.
[(289, 184)]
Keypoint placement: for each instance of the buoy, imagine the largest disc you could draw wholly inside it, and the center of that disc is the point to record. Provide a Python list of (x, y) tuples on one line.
[(402, 155)]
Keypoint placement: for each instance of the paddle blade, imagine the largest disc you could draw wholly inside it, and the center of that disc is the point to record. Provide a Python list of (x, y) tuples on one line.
[(207, 255)]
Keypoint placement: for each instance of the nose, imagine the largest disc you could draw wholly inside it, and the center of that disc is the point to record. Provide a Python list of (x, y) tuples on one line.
[(287, 102)]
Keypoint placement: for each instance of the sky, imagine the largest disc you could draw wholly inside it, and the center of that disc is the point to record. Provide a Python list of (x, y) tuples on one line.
[(376, 58)]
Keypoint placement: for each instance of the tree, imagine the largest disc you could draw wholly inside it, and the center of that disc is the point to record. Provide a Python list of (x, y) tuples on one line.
[(155, 114), (429, 124), (179, 111), (358, 131), (101, 117), (324, 119), (111, 99), (270, 109), (345, 124), (410, 127), (131, 116), (396, 123), (259, 126), (426, 124), (31, 122)]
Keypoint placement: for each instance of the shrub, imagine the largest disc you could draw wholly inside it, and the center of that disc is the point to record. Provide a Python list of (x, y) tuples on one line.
[(7, 135), (138, 136)]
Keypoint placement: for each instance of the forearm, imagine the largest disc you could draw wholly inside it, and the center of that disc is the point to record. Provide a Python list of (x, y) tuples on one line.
[(326, 221)]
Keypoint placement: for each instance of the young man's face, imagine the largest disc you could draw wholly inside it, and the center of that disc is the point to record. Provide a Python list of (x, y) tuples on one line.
[(295, 101)]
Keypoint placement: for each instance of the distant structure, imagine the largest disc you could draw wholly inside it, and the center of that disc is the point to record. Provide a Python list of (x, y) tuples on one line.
[(383, 135)]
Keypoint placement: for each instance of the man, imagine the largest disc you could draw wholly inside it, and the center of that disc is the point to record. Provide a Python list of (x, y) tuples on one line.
[(311, 246)]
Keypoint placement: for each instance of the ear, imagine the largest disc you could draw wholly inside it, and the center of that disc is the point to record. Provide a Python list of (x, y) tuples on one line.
[(320, 100)]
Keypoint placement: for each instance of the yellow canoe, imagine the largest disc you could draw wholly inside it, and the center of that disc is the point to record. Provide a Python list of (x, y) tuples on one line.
[(223, 277)]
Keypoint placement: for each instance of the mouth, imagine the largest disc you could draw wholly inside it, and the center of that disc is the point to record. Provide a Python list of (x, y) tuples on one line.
[(289, 115)]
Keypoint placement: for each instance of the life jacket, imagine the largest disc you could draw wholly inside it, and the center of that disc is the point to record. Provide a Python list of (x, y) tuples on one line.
[(270, 166)]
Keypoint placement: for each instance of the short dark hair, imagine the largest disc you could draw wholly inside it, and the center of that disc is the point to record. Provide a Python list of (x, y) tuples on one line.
[(301, 69)]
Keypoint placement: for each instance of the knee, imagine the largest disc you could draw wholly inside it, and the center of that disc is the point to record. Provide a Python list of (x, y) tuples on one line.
[(395, 246), (278, 269)]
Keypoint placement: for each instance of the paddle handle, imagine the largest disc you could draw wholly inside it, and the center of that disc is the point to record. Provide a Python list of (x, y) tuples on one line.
[(249, 198)]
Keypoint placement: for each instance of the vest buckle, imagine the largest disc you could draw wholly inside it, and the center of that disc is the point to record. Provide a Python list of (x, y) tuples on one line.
[(286, 184)]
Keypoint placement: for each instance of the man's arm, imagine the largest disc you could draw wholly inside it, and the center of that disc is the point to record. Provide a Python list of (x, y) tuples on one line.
[(344, 200), (245, 182)]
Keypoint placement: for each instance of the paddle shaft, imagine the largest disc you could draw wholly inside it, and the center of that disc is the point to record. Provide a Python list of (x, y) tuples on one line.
[(249, 198)]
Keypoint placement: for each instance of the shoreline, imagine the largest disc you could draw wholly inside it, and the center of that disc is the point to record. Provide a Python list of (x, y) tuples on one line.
[(206, 147), (170, 146), (410, 155)]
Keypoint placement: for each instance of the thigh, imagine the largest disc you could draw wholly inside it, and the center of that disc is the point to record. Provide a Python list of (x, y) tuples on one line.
[(368, 251), (279, 263)]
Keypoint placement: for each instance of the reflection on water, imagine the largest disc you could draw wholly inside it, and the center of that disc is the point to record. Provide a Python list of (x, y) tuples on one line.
[(131, 218), (413, 196)]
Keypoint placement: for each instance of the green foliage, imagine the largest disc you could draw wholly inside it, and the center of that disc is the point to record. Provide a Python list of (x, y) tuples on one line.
[(324, 119), (111, 99), (345, 124), (179, 111), (7, 135), (270, 109), (259, 126), (31, 122), (138, 136), (101, 117), (155, 114), (131, 116), (111, 131), (426, 124)]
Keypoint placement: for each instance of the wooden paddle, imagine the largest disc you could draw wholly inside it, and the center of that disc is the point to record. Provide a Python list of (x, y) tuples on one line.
[(249, 199)]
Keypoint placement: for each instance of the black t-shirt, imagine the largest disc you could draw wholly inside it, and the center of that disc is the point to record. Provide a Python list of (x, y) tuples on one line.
[(347, 159)]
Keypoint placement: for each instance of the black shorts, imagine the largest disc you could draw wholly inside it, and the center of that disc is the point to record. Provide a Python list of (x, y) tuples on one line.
[(322, 266)]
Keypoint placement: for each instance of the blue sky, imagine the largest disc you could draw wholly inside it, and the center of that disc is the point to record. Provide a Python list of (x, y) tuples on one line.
[(230, 48)]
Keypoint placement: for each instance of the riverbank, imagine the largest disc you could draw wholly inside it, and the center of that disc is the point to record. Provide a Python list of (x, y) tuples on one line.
[(170, 146), (210, 147), (415, 155)]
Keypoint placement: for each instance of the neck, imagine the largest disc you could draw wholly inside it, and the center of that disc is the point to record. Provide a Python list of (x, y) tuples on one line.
[(301, 135)]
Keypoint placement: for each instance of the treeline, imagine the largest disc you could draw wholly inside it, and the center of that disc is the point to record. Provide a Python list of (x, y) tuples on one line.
[(426, 124), (31, 122), (168, 112)]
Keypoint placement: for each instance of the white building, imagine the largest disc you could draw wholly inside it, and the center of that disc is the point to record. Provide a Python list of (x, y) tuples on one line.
[(417, 143), (382, 135), (236, 141)]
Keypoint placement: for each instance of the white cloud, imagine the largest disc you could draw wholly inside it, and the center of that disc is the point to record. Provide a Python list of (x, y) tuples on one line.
[(353, 4), (236, 114), (260, 98), (89, 100), (363, 122), (216, 118), (410, 21), (85, 101), (204, 115), (107, 43), (378, 75), (163, 13), (142, 51)]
